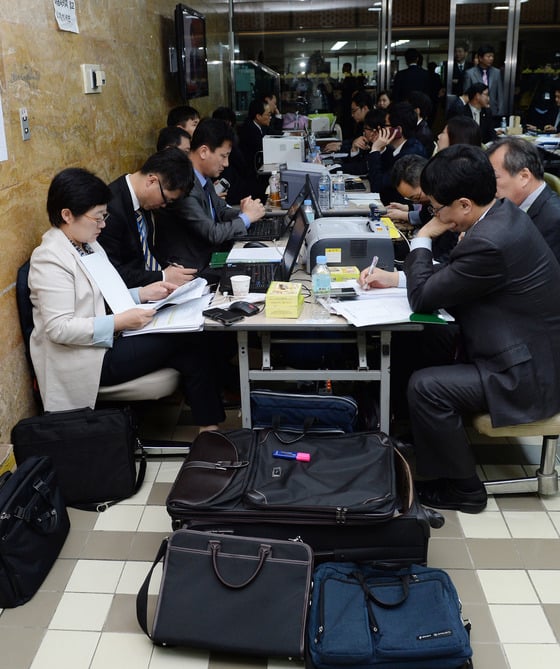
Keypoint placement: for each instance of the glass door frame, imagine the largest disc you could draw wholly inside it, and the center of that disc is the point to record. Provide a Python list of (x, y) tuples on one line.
[(512, 41)]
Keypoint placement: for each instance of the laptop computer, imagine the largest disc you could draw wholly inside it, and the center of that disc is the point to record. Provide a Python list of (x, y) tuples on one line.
[(348, 210), (274, 226), (264, 272)]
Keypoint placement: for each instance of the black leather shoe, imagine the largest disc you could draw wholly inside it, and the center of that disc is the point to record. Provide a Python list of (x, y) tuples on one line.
[(442, 494)]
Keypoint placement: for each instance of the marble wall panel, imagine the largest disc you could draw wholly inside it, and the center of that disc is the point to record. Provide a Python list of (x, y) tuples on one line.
[(109, 133)]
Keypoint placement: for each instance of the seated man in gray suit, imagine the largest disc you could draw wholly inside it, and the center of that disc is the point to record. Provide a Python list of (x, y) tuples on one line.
[(190, 231), (502, 285), (520, 178)]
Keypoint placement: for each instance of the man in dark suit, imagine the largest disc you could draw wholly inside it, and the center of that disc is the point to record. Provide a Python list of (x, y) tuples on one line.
[(478, 109), (460, 66), (491, 76), (547, 120), (251, 143), (520, 178), (395, 140), (128, 237), (502, 285), (413, 78), (202, 223)]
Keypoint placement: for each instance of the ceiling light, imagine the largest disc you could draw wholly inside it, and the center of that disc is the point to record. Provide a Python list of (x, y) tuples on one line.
[(338, 45), (399, 42)]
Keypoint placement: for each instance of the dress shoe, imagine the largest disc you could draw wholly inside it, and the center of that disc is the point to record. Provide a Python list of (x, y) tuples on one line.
[(442, 494)]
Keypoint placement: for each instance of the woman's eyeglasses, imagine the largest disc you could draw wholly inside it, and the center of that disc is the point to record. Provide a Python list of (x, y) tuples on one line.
[(101, 218)]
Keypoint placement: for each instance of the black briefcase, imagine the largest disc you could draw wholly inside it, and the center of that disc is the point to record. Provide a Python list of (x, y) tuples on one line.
[(33, 527), (352, 500), (93, 453)]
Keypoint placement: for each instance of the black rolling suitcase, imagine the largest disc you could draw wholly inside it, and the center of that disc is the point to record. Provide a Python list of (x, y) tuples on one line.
[(350, 497)]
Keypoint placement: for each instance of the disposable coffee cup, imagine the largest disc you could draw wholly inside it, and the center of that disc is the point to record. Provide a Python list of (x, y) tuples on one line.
[(240, 285)]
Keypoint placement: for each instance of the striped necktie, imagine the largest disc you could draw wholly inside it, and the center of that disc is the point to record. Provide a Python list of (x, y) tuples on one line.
[(149, 261)]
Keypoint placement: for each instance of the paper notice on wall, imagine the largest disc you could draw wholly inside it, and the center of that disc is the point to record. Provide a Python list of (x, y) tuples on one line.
[(65, 14), (3, 148)]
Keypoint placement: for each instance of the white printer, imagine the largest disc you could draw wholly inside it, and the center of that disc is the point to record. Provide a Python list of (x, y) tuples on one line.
[(349, 240), (287, 149)]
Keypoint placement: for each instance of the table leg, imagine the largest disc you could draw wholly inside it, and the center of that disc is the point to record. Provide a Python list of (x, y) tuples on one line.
[(385, 384), (244, 385)]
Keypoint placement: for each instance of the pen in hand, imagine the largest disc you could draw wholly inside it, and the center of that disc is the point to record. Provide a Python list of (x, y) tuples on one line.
[(373, 265)]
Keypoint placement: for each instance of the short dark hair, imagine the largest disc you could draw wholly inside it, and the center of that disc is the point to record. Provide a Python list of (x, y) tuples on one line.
[(421, 101), (173, 168), (463, 130), (256, 107), (375, 118), (408, 169), (171, 136), (459, 171), (474, 89), (411, 56), (362, 99), (76, 189), (181, 114), (485, 48), (225, 114), (212, 132), (519, 155), (402, 114)]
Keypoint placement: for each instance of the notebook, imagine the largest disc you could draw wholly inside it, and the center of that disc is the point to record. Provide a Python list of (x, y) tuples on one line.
[(263, 273), (275, 226)]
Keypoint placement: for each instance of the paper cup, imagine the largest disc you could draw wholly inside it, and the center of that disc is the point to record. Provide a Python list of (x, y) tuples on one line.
[(240, 285)]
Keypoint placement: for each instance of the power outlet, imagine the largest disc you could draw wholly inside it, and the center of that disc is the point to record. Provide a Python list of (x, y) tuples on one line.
[(93, 82), (24, 121)]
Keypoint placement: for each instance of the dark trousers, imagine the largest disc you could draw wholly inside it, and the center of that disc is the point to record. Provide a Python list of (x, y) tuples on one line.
[(438, 398), (190, 353)]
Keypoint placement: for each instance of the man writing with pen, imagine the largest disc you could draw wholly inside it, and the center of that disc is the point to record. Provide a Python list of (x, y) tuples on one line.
[(502, 286)]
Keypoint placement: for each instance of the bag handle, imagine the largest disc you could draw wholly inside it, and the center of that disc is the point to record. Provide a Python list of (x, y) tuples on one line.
[(368, 590), (142, 597), (45, 522), (264, 552)]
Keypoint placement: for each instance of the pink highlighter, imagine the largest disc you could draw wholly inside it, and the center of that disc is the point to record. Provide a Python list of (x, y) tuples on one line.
[(292, 455)]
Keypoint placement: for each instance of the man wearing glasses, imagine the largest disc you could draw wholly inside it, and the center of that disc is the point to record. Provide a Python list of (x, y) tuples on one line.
[(502, 285), (128, 237)]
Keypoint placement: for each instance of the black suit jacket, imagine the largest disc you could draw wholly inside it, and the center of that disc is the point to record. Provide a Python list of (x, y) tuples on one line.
[(502, 285), (487, 132), (121, 240), (188, 234), (251, 144), (414, 78), (545, 214)]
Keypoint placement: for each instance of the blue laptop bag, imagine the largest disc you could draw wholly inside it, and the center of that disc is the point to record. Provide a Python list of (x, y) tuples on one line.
[(364, 617)]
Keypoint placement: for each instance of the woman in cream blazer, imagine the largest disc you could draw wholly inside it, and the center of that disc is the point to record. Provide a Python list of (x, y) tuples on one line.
[(75, 346)]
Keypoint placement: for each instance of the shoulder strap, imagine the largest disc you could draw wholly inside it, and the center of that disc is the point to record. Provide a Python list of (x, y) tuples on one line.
[(142, 597)]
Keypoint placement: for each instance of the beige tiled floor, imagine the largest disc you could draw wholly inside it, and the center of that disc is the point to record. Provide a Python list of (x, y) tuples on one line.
[(505, 563)]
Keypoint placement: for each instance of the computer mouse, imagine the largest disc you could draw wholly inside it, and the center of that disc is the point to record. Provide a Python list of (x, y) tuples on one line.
[(245, 308), (254, 245)]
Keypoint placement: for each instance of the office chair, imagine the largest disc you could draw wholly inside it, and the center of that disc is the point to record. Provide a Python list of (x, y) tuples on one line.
[(153, 386), (553, 181), (545, 480)]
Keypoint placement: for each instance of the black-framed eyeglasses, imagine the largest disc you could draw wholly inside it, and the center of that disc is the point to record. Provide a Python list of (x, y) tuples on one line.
[(434, 211), (101, 218), (164, 197)]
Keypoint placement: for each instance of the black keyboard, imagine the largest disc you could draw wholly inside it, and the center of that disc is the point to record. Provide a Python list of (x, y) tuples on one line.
[(267, 229), (261, 274)]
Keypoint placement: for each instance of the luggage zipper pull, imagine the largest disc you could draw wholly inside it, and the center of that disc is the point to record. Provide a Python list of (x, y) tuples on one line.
[(341, 514), (4, 516)]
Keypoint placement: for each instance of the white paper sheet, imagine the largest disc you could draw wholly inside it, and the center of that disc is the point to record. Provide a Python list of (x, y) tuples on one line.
[(109, 281), (264, 254), (186, 317)]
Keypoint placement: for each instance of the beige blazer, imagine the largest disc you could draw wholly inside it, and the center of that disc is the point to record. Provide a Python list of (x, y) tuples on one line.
[(65, 301)]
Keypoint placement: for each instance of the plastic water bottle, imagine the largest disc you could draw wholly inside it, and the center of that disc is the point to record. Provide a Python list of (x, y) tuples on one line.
[(339, 190), (325, 191), (308, 210), (321, 286), (274, 189), (312, 145), (504, 125)]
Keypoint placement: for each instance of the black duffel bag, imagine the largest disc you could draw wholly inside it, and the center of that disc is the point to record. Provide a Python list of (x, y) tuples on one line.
[(33, 527)]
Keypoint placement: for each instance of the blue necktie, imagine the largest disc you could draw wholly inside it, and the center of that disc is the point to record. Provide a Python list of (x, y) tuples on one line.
[(209, 198), (149, 261)]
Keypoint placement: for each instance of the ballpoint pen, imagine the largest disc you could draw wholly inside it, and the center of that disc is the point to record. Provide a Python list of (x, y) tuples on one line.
[(373, 265)]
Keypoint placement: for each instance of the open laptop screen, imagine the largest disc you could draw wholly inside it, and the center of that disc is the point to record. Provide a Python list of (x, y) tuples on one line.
[(293, 246)]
